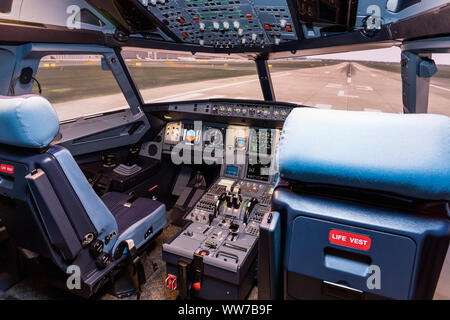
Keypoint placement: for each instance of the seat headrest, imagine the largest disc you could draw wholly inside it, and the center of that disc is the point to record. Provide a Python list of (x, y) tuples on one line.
[(407, 154), (27, 121)]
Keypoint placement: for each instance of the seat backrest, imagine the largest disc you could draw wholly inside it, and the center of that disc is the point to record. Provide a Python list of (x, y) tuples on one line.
[(359, 190), (408, 155), (46, 202)]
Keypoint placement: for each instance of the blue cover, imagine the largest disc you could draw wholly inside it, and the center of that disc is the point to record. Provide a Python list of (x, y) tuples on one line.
[(27, 121), (407, 154)]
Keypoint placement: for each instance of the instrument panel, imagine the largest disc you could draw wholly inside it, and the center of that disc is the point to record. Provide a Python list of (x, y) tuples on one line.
[(241, 109), (227, 23), (244, 152)]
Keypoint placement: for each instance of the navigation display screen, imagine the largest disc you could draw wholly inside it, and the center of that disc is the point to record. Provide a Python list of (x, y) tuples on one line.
[(214, 136), (258, 171)]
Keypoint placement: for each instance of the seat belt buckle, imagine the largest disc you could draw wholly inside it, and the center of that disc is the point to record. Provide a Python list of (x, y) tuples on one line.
[(130, 201)]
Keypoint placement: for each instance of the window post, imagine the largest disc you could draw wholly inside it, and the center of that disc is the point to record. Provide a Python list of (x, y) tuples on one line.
[(265, 79)]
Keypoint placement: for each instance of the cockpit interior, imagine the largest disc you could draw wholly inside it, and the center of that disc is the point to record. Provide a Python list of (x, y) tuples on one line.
[(188, 149)]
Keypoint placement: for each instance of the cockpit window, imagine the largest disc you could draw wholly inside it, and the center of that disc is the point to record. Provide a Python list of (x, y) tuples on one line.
[(358, 81), (77, 86), (5, 6), (165, 76), (88, 17), (439, 98)]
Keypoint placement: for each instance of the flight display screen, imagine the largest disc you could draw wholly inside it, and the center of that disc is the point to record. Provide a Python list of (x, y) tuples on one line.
[(191, 135), (258, 171), (226, 182), (261, 141), (232, 171)]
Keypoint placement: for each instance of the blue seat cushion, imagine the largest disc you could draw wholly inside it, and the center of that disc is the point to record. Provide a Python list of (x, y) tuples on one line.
[(406, 154), (134, 221), (27, 121)]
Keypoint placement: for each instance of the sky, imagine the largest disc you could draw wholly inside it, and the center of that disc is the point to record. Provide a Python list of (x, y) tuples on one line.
[(386, 55)]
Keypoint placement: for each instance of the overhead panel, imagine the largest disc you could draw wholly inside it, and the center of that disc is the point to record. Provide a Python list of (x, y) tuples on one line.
[(227, 23)]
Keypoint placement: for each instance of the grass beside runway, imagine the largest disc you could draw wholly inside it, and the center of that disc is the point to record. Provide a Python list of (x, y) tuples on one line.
[(67, 83), (443, 71), (60, 84)]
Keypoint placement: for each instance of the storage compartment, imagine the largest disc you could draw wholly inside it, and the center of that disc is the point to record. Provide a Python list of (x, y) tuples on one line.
[(340, 258)]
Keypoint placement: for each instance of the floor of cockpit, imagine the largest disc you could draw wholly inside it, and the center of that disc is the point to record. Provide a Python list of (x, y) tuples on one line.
[(33, 288)]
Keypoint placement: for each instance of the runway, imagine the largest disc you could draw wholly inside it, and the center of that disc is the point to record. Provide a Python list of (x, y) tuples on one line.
[(346, 86)]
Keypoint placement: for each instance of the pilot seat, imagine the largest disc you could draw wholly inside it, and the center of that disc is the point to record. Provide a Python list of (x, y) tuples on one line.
[(361, 209), (52, 213)]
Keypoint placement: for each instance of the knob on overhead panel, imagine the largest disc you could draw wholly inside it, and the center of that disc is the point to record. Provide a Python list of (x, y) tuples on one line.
[(226, 25), (236, 25), (216, 25), (202, 26)]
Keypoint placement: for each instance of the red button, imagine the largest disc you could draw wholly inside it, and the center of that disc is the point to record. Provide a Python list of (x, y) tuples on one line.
[(171, 282), (249, 16), (196, 19), (181, 20), (289, 28), (6, 168), (267, 27), (197, 286), (185, 35)]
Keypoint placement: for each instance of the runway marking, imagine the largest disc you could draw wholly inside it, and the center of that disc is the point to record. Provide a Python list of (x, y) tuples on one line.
[(374, 75), (442, 88), (366, 88), (334, 85), (215, 97), (342, 94), (179, 97), (323, 106), (372, 110)]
